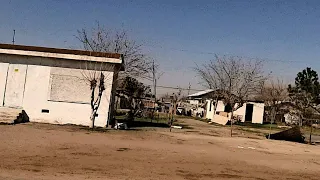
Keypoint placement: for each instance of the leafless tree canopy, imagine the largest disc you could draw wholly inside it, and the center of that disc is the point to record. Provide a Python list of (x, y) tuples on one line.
[(101, 39), (273, 92), (235, 78), (94, 75)]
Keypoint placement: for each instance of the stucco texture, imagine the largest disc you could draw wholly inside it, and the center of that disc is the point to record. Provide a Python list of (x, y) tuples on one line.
[(257, 114), (64, 107), (53, 90)]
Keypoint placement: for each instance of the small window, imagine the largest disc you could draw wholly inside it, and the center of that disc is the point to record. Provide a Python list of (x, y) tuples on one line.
[(45, 110)]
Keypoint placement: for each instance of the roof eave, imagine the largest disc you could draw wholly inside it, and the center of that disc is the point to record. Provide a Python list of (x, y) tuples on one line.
[(61, 53)]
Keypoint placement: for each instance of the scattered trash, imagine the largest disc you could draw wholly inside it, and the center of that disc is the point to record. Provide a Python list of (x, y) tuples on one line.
[(283, 126), (316, 126), (121, 126), (241, 147), (177, 127), (294, 134), (251, 148), (220, 119)]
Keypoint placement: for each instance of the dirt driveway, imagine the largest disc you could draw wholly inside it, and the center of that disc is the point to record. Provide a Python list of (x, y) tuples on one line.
[(41, 151)]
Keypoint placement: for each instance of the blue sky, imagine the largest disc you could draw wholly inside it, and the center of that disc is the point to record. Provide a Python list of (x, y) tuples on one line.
[(179, 33)]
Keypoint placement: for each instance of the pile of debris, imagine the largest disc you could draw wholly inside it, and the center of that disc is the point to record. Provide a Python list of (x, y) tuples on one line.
[(122, 126), (293, 134)]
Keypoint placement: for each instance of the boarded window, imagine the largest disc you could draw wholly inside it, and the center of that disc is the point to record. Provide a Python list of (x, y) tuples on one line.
[(70, 85), (68, 88)]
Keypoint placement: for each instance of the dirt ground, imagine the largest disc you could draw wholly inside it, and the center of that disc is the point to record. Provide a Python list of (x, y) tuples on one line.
[(200, 151)]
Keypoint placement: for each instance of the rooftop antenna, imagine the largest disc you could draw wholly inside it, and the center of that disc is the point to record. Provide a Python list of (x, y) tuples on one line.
[(14, 34)]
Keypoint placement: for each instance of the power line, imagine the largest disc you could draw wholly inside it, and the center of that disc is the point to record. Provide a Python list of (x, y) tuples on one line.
[(178, 88), (212, 53)]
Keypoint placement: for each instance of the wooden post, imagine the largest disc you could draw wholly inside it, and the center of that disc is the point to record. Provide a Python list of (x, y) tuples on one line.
[(231, 122), (172, 112), (310, 142), (272, 119)]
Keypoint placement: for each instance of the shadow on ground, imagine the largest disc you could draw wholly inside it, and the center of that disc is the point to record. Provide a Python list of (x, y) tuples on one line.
[(134, 124)]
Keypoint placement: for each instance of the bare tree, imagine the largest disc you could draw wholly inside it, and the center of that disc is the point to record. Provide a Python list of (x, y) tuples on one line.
[(304, 106), (136, 63), (273, 94), (305, 96), (101, 39), (96, 75), (235, 79)]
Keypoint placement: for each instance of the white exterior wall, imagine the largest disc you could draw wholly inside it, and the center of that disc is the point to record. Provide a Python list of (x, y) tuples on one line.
[(257, 114), (194, 102), (241, 111), (16, 77), (258, 111), (3, 78), (209, 114), (36, 98), (220, 106)]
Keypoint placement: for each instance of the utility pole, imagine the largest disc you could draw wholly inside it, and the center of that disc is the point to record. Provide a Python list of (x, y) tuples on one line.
[(189, 88), (14, 34), (154, 88)]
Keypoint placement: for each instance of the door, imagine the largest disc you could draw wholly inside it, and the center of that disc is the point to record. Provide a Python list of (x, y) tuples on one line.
[(249, 112), (14, 89), (3, 80)]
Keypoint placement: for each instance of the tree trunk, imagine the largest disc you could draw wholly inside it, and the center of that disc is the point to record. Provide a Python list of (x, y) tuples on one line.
[(300, 120), (131, 112), (231, 122), (172, 114), (93, 117), (215, 107), (310, 142), (271, 120)]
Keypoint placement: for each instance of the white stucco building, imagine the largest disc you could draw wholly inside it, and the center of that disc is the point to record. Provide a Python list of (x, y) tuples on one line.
[(250, 112), (49, 84)]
